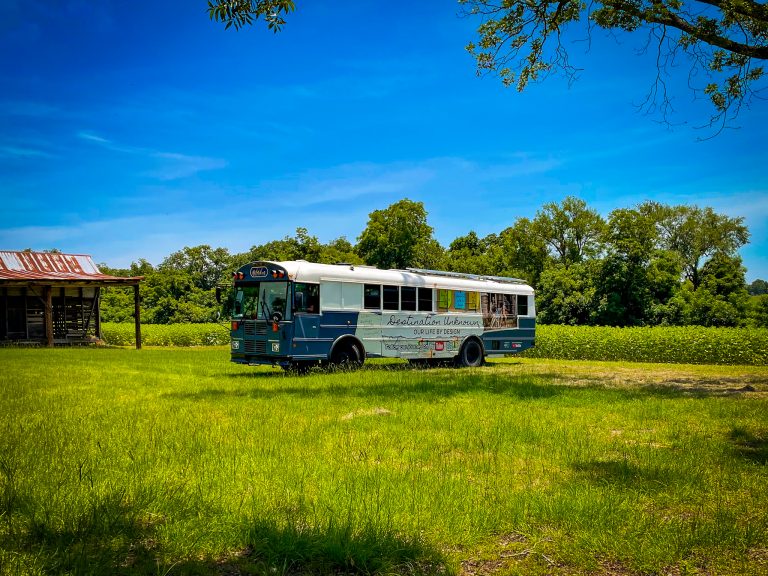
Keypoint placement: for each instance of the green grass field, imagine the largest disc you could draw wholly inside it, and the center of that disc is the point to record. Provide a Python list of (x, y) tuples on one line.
[(175, 461)]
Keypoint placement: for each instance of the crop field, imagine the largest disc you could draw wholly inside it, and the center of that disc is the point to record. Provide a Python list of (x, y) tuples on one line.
[(676, 344), (174, 461)]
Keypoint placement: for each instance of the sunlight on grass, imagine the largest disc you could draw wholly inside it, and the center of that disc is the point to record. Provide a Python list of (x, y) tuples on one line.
[(179, 462)]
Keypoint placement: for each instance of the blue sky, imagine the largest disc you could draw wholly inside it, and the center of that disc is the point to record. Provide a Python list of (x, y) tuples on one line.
[(132, 129)]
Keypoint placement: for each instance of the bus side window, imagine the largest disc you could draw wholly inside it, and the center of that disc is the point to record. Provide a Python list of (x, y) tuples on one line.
[(391, 297), (425, 299), (307, 298), (408, 298), (372, 296), (522, 305)]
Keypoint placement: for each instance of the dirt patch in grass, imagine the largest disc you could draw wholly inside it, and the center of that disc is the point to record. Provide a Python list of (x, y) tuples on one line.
[(686, 380)]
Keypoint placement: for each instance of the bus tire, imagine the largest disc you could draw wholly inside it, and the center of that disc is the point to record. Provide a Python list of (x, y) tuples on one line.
[(471, 354), (347, 354)]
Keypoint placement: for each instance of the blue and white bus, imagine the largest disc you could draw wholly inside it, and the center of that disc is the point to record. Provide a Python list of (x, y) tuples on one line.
[(298, 314)]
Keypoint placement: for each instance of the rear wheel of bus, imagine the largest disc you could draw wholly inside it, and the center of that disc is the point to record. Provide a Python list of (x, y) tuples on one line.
[(471, 354), (347, 355)]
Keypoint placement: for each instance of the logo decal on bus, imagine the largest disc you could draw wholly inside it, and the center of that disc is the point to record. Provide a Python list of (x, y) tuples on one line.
[(259, 272)]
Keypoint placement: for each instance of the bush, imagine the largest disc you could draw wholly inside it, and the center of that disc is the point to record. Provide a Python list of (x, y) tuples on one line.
[(166, 334), (670, 344)]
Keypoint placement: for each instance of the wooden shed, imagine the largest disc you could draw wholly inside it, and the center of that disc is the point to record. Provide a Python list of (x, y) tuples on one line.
[(52, 298)]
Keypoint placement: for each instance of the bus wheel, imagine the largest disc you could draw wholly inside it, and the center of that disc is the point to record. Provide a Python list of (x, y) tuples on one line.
[(470, 355), (347, 355)]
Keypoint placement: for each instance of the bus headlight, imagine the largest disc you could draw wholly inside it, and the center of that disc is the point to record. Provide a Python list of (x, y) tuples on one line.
[(235, 344)]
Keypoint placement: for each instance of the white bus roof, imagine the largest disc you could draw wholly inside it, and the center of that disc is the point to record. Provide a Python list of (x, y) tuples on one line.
[(302, 271)]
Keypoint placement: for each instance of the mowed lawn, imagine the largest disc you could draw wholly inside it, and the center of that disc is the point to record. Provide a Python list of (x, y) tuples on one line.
[(175, 461)]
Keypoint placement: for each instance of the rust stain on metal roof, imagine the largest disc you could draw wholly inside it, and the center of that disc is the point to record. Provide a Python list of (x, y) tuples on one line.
[(42, 266)]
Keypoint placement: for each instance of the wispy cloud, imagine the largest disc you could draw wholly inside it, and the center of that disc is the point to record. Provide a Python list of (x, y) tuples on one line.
[(173, 165), (93, 138), (176, 166)]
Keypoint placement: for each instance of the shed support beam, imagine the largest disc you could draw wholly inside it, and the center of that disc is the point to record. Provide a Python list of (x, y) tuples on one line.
[(48, 315), (96, 309), (137, 315)]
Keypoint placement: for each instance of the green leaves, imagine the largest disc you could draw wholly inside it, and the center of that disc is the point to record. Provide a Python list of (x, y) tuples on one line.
[(399, 237), (239, 13), (520, 41)]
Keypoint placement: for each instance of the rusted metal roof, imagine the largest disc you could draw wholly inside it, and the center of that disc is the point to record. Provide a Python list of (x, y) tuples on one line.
[(20, 267)]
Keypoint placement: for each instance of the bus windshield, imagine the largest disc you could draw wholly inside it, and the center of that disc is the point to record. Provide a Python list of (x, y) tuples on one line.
[(262, 301)]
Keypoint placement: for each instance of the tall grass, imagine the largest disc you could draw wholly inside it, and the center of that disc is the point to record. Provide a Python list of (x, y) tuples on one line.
[(174, 461)]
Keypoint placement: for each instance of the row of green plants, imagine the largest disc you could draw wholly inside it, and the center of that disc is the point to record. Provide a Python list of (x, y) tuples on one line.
[(668, 344), (124, 334), (672, 344)]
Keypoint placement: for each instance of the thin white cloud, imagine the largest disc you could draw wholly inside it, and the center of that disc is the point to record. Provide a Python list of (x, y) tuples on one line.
[(93, 138), (173, 165), (177, 166)]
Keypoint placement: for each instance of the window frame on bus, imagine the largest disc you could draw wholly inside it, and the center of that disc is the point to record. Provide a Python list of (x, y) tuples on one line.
[(384, 302)]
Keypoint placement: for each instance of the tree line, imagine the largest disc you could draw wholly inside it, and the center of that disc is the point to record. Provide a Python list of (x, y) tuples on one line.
[(653, 264)]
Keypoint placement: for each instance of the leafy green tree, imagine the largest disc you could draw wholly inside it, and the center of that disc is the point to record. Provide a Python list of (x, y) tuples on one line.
[(117, 304), (758, 287), (302, 246), (623, 290), (696, 234), (206, 266), (467, 254), (572, 231), (664, 273), (722, 298), (399, 237), (566, 294), (518, 251), (757, 311), (723, 41), (339, 250)]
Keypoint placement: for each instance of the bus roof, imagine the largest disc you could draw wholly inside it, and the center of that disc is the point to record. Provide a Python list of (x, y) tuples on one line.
[(303, 271)]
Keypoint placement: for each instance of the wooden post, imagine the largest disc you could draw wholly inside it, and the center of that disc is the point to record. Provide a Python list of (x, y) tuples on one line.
[(97, 310), (4, 327), (48, 315), (137, 315)]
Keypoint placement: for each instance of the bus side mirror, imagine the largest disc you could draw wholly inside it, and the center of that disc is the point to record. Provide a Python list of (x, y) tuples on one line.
[(218, 294)]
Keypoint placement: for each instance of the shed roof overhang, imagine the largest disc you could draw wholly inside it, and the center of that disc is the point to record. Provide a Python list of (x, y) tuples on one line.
[(20, 269)]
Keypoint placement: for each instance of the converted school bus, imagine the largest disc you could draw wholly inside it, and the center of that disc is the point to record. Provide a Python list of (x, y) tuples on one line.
[(296, 314), (52, 298)]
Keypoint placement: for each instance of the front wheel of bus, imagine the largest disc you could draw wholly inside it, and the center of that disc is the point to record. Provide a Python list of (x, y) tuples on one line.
[(471, 354), (347, 355)]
